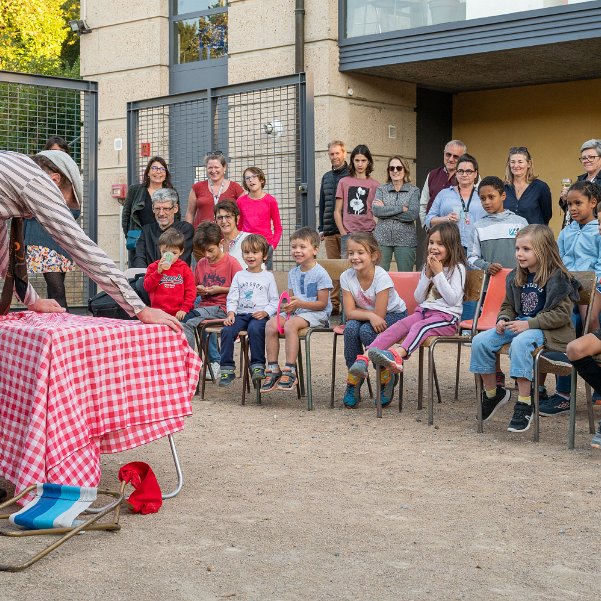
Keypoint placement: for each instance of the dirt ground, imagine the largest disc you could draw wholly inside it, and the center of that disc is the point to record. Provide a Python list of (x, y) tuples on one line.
[(283, 504)]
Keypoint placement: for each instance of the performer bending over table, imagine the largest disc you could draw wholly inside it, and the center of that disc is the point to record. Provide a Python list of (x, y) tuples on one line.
[(27, 191)]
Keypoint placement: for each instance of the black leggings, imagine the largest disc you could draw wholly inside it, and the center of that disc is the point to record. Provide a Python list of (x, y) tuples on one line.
[(55, 287)]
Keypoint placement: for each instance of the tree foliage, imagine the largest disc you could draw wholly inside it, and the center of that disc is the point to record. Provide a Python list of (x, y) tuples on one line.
[(35, 37)]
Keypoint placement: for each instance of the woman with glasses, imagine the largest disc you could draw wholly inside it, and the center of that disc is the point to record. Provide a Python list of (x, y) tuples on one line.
[(137, 209), (226, 216), (205, 194), (459, 204), (396, 205), (526, 195), (259, 211)]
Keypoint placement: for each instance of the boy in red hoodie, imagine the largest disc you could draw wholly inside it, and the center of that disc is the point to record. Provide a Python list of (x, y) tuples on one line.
[(169, 281)]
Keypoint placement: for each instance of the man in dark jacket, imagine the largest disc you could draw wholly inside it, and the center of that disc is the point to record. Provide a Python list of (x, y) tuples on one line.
[(327, 201)]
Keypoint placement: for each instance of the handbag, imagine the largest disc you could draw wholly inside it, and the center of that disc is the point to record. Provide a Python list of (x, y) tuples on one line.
[(132, 239)]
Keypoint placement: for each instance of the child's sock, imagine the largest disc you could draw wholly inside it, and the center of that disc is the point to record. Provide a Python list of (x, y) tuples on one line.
[(274, 367), (291, 367), (491, 393), (525, 399)]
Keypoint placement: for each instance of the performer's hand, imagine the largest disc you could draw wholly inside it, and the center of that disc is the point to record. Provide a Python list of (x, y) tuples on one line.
[(46, 305), (149, 315)]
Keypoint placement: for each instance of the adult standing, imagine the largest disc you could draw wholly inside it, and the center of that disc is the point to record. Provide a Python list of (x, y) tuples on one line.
[(57, 143), (26, 190), (459, 204), (396, 205), (328, 230), (441, 177), (207, 193), (165, 205), (137, 209), (44, 255), (525, 194)]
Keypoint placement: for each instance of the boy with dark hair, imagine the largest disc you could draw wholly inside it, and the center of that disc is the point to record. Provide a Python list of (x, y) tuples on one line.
[(309, 287), (169, 281), (251, 301), (213, 276)]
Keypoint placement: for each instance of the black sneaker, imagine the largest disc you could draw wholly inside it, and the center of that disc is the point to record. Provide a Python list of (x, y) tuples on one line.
[(554, 405), (522, 417), (490, 406)]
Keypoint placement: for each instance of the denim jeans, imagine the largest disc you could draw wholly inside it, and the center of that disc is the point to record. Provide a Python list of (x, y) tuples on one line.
[(486, 344), (191, 321), (256, 339)]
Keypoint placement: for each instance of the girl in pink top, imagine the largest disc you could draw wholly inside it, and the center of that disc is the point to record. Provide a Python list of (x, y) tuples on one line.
[(259, 212)]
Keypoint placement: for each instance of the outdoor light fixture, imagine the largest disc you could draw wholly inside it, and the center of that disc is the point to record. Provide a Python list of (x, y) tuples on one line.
[(79, 26), (273, 128)]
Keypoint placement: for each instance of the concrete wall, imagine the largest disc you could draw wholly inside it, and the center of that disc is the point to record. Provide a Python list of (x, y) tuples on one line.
[(552, 121), (261, 44), (127, 53)]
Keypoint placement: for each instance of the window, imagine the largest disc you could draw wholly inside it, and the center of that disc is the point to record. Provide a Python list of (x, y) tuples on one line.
[(368, 17), (200, 30)]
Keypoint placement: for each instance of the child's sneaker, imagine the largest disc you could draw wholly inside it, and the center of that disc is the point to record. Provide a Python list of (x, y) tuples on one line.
[(216, 370), (350, 398), (554, 405), (388, 381), (359, 367), (388, 359), (596, 442), (270, 380), (596, 398), (490, 406), (522, 417), (287, 380), (226, 378), (257, 374)]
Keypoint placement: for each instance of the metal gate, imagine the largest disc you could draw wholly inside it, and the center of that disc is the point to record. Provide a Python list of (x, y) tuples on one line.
[(34, 107), (266, 123)]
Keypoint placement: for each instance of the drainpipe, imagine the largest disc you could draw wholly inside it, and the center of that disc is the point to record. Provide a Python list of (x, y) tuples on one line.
[(299, 36)]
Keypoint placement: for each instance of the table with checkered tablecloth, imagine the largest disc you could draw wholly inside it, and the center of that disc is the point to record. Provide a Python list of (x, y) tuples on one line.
[(73, 387)]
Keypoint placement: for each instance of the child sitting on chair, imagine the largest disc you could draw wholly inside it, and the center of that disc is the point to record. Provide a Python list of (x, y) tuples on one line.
[(309, 285), (251, 301), (169, 281)]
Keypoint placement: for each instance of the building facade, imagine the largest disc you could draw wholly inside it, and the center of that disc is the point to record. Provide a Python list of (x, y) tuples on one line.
[(402, 76)]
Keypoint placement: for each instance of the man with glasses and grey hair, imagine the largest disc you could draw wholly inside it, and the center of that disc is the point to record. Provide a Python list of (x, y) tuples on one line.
[(442, 177), (165, 204)]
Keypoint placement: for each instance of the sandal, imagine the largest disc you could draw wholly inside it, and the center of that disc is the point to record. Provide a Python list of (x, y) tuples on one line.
[(270, 380), (287, 380)]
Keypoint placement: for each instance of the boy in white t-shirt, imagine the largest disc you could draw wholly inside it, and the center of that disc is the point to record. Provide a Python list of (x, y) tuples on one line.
[(251, 301)]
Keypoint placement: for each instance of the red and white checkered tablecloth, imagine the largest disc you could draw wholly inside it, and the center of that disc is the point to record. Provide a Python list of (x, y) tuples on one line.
[(72, 387)]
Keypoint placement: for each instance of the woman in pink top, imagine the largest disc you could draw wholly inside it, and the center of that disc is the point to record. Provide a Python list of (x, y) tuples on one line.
[(259, 212)]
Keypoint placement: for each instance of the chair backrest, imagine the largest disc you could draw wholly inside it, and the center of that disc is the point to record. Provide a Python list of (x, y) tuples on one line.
[(334, 267), (405, 283), (281, 280), (473, 285), (588, 281), (495, 295)]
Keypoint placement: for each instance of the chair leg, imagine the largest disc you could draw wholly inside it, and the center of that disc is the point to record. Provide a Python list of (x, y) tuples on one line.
[(572, 425), (420, 379), (436, 379), (309, 383), (479, 402), (301, 371), (535, 400), (400, 392), (369, 386), (333, 380), (205, 364), (245, 384), (457, 372), (430, 386), (378, 392)]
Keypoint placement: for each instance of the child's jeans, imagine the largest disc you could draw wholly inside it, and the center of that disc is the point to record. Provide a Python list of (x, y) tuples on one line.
[(486, 344), (196, 316), (256, 339), (359, 334), (415, 328)]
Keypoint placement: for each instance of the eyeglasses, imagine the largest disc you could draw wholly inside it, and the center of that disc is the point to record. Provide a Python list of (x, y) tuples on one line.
[(162, 209), (589, 158), (450, 155), (155, 168), (224, 217), (393, 168), (465, 172), (247, 178)]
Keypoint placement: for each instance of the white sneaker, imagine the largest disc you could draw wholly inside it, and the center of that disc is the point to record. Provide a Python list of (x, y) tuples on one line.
[(216, 369)]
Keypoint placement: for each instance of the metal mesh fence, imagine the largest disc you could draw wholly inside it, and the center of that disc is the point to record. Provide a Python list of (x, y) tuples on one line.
[(259, 126), (33, 108)]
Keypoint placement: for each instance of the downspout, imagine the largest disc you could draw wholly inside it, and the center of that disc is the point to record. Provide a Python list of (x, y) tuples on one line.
[(299, 36)]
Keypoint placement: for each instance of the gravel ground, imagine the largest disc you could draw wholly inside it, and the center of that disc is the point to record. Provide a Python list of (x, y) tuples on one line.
[(280, 503)]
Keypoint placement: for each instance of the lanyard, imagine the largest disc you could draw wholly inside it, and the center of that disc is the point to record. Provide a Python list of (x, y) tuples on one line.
[(469, 202), (218, 195)]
